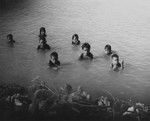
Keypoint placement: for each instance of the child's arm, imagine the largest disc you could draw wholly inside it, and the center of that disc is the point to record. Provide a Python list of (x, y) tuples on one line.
[(111, 66), (39, 39), (122, 64)]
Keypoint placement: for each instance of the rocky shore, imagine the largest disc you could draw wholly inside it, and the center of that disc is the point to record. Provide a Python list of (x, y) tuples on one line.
[(39, 102)]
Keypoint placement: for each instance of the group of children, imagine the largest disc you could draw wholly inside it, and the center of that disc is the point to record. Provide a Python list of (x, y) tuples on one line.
[(54, 62)]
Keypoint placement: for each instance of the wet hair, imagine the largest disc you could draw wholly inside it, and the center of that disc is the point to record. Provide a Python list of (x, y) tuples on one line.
[(86, 45), (44, 30), (75, 36), (115, 56), (10, 36), (108, 47), (55, 55)]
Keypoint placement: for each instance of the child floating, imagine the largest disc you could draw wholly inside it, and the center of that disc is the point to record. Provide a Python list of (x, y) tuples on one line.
[(116, 65), (86, 54), (54, 62), (75, 40), (42, 40)]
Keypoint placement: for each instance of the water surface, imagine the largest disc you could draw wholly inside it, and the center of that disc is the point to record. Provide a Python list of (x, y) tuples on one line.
[(125, 24)]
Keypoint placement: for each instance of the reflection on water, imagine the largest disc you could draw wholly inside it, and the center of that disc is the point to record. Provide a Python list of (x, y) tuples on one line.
[(123, 24)]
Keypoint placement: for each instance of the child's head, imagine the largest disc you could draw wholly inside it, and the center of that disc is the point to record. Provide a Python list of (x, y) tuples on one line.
[(42, 31), (54, 56), (107, 49), (86, 47), (75, 37), (10, 37), (115, 59)]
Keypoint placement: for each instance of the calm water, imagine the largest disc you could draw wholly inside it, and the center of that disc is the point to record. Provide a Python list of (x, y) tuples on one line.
[(125, 24)]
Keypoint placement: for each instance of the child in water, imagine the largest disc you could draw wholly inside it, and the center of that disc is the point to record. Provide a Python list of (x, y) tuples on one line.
[(43, 45), (86, 52), (42, 39), (116, 65), (54, 62), (42, 34), (108, 50), (75, 40), (10, 39)]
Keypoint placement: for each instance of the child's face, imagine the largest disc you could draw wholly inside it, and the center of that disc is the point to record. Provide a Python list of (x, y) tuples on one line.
[(107, 51), (85, 50), (52, 58), (9, 38), (114, 60), (42, 32)]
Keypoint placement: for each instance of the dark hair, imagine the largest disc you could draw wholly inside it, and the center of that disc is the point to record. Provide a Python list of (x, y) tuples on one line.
[(42, 29), (10, 36), (116, 56), (86, 45), (75, 36), (108, 47), (55, 55)]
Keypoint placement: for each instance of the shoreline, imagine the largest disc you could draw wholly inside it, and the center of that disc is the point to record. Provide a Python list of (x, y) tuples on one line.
[(39, 102)]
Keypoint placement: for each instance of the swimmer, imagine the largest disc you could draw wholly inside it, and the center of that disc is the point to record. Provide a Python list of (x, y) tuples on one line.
[(54, 62), (42, 40), (42, 34), (10, 39), (43, 45), (86, 52), (108, 50), (116, 65), (75, 40)]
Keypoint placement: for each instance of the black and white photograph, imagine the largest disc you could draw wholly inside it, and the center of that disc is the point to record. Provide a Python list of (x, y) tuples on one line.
[(74, 60)]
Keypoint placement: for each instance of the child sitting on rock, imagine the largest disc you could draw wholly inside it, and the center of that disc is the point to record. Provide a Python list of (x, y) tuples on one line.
[(86, 54)]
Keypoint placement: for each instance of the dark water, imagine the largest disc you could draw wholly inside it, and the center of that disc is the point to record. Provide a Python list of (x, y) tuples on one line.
[(125, 24)]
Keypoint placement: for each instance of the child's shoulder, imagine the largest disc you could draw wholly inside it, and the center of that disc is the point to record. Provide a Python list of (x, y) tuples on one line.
[(78, 42), (90, 55), (58, 62), (81, 56)]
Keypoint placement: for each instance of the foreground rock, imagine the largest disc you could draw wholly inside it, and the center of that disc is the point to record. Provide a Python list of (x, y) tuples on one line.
[(38, 101)]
